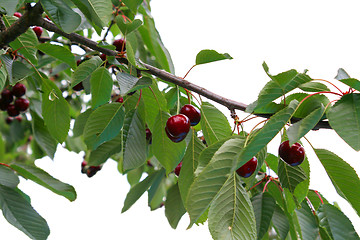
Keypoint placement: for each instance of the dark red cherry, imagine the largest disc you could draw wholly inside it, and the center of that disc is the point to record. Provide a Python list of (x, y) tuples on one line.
[(103, 57), (3, 105), (120, 45), (7, 96), (192, 112), (248, 168), (78, 87), (293, 155), (21, 104), (92, 170), (12, 111), (18, 118), (178, 126), (18, 90), (174, 139), (120, 100), (177, 169), (9, 120), (148, 134)]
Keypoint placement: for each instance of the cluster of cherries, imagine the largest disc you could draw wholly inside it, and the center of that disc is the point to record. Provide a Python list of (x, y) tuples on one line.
[(178, 126), (89, 170), (292, 155), (14, 108)]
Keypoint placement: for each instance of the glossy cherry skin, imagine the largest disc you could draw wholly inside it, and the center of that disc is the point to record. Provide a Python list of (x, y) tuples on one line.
[(103, 57), (174, 139), (21, 104), (248, 168), (120, 45), (12, 111), (148, 135), (177, 169), (38, 31), (7, 96), (18, 90), (293, 155), (178, 126), (120, 100), (192, 112), (17, 14)]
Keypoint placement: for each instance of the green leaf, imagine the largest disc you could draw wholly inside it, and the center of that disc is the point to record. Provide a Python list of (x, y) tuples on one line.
[(98, 12), (42, 136), (10, 6), (46, 180), (281, 223), (207, 56), (18, 212), (103, 124), (174, 208), (315, 199), (189, 165), (19, 72), (3, 77), (342, 74), (133, 5), (297, 130), (80, 122), (290, 176), (7, 177), (167, 152), (125, 26), (126, 82), (307, 222), (55, 110), (61, 14), (214, 124), (138, 189), (58, 52), (134, 143), (344, 118), (212, 179), (101, 86), (152, 40), (342, 176), (85, 69), (26, 42), (264, 207), (352, 82), (337, 225), (231, 215), (6, 69), (313, 87), (105, 151), (265, 134), (279, 85)]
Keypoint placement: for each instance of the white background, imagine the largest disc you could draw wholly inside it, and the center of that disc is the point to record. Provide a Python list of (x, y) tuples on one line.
[(320, 36)]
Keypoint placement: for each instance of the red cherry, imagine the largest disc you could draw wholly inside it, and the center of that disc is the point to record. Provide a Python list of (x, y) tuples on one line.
[(192, 112), (3, 105), (17, 14), (178, 126), (83, 166), (120, 100), (174, 139), (248, 168), (177, 169), (12, 111), (120, 45), (38, 31), (21, 104), (103, 57), (7, 96), (78, 87), (293, 155), (92, 170), (148, 134), (18, 90)]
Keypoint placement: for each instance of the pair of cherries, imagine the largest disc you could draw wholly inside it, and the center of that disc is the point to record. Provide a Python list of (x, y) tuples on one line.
[(178, 126), (292, 155)]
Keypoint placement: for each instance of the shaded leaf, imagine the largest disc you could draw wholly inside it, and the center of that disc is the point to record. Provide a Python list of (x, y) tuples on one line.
[(105, 151), (174, 208), (101, 86), (85, 69), (7, 177), (58, 52), (127, 27), (290, 176), (307, 222)]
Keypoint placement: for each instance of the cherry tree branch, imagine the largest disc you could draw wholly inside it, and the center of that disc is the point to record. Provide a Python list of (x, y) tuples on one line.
[(34, 18)]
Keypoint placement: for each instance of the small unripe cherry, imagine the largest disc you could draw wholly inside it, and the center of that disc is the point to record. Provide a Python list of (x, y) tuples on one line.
[(248, 168), (192, 112)]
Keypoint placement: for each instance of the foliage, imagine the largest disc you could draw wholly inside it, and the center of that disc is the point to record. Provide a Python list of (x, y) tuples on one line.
[(120, 100)]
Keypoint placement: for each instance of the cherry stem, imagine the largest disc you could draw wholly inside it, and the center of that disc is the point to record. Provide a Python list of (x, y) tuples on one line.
[(189, 71), (268, 181), (4, 164), (318, 194), (311, 206), (257, 183), (137, 104), (330, 84)]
